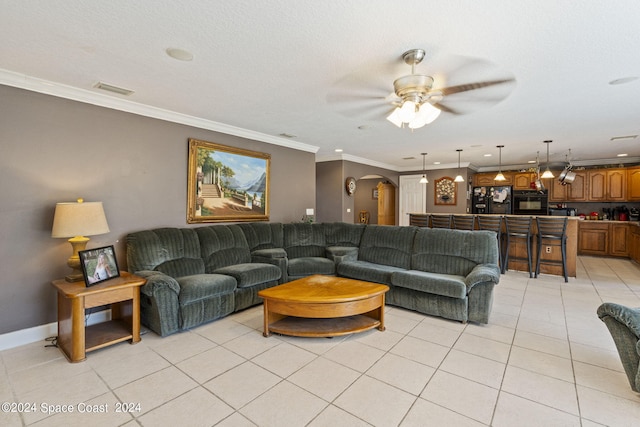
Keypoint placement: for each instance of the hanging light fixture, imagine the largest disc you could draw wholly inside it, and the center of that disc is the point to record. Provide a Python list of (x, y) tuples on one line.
[(500, 177), (424, 179), (547, 173), (459, 178)]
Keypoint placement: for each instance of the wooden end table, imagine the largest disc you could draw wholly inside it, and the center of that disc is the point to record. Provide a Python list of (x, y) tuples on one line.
[(122, 293), (323, 306)]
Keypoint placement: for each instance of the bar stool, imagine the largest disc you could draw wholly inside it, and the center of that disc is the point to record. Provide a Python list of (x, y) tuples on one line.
[(464, 222), (494, 223), (519, 228), (440, 221), (552, 232)]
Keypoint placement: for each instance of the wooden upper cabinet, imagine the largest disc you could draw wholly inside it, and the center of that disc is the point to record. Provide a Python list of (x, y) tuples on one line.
[(523, 180), (633, 184), (607, 185), (487, 179), (577, 190), (557, 191)]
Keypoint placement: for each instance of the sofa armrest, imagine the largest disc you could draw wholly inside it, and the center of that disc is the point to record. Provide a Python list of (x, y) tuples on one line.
[(627, 316), (157, 282), (274, 256), (339, 254), (482, 273)]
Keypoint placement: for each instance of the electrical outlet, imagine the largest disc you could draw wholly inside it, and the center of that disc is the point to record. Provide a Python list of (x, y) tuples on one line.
[(547, 249)]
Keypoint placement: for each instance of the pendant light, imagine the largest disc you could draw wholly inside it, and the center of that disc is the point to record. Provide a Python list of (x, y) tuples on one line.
[(424, 179), (500, 177), (547, 173), (459, 178)]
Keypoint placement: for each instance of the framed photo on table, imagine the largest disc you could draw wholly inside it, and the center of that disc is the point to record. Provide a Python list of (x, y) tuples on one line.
[(98, 265)]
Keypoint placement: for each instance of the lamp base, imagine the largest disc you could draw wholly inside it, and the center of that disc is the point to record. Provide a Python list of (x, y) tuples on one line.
[(74, 277), (78, 243)]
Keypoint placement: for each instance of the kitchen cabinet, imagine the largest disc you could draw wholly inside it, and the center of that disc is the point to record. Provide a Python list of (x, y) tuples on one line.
[(604, 238), (593, 238), (633, 184), (574, 192), (523, 180), (487, 179), (634, 242), (607, 185)]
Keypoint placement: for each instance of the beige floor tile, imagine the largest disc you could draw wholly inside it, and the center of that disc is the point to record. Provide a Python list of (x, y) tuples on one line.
[(541, 363), (44, 374), (607, 409), (333, 416), (242, 384), (354, 355), (421, 351), (542, 389), (606, 380), (437, 334), (402, 373), (424, 413), (166, 384), (540, 327), (382, 340), (203, 409), (324, 378), (223, 330), (475, 368), (252, 344), (314, 345), (178, 347), (492, 332), (236, 420), (598, 356), (30, 355), (210, 364), (483, 347), (284, 405), (122, 367), (460, 395), (398, 323), (284, 359), (375, 402), (554, 346), (516, 411)]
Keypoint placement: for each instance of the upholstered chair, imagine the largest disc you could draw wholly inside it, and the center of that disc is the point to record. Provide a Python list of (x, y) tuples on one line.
[(624, 325)]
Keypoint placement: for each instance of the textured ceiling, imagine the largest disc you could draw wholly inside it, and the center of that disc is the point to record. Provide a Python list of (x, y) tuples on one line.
[(320, 70)]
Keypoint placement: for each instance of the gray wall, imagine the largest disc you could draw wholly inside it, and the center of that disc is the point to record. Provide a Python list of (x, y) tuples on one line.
[(54, 150)]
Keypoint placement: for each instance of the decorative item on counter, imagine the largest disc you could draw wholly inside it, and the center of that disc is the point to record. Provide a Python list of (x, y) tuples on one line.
[(594, 215), (634, 214)]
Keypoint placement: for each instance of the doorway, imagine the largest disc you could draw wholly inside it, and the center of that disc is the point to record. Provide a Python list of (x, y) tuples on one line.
[(412, 198)]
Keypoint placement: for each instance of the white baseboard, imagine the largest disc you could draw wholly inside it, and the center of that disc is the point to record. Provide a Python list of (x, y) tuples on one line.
[(40, 333)]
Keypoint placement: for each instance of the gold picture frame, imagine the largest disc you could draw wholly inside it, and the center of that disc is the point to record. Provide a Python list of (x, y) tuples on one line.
[(227, 184), (446, 189)]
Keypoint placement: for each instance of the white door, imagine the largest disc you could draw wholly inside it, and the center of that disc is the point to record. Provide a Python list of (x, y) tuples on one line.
[(413, 197)]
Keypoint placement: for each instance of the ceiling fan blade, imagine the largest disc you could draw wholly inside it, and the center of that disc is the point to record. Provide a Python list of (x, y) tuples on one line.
[(472, 86), (446, 109)]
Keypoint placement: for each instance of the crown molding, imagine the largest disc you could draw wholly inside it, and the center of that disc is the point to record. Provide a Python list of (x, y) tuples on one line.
[(34, 84)]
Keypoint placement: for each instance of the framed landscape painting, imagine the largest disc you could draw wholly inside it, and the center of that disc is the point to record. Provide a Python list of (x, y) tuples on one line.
[(226, 184)]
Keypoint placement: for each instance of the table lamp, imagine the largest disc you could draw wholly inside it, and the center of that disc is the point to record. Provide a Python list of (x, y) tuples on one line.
[(77, 220)]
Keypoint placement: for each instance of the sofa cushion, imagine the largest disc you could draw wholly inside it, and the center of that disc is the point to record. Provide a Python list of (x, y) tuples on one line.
[(455, 252), (262, 235), (447, 285), (304, 240), (387, 245), (181, 267), (367, 271), (204, 286), (343, 234), (307, 266), (251, 274), (150, 248), (222, 246)]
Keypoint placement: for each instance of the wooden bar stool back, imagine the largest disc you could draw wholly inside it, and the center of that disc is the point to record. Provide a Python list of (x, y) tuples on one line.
[(552, 232)]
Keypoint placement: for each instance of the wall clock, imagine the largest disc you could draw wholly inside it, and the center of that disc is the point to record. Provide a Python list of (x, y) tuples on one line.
[(350, 185), (445, 193)]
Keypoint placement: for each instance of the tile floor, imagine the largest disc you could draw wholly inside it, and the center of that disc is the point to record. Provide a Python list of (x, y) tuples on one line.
[(545, 359)]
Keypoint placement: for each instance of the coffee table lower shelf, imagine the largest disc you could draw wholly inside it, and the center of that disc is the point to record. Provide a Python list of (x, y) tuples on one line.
[(313, 327)]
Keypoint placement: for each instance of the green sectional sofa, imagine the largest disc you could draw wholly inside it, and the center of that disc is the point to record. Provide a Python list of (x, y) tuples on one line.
[(195, 275)]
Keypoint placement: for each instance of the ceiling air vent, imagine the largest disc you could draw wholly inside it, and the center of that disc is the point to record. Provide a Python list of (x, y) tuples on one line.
[(114, 89)]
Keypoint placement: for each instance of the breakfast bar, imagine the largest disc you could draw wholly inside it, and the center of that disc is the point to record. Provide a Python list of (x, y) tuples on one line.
[(518, 249)]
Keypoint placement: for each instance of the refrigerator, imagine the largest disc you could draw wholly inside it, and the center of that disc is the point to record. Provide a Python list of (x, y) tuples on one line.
[(492, 200)]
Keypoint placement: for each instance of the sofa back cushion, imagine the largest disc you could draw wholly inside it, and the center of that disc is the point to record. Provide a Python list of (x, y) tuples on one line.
[(262, 235), (222, 245), (445, 251), (343, 234), (304, 240), (387, 245), (173, 251)]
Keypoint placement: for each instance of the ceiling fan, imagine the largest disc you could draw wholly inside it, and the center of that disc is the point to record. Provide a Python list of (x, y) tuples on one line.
[(418, 99), (418, 103)]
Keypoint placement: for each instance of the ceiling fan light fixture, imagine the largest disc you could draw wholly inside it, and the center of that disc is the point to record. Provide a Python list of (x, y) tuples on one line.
[(427, 113), (408, 111), (394, 117)]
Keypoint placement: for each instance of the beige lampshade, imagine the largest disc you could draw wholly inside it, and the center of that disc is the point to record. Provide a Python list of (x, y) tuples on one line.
[(79, 219)]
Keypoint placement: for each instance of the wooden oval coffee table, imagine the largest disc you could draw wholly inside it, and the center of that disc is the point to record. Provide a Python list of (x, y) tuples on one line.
[(323, 306)]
